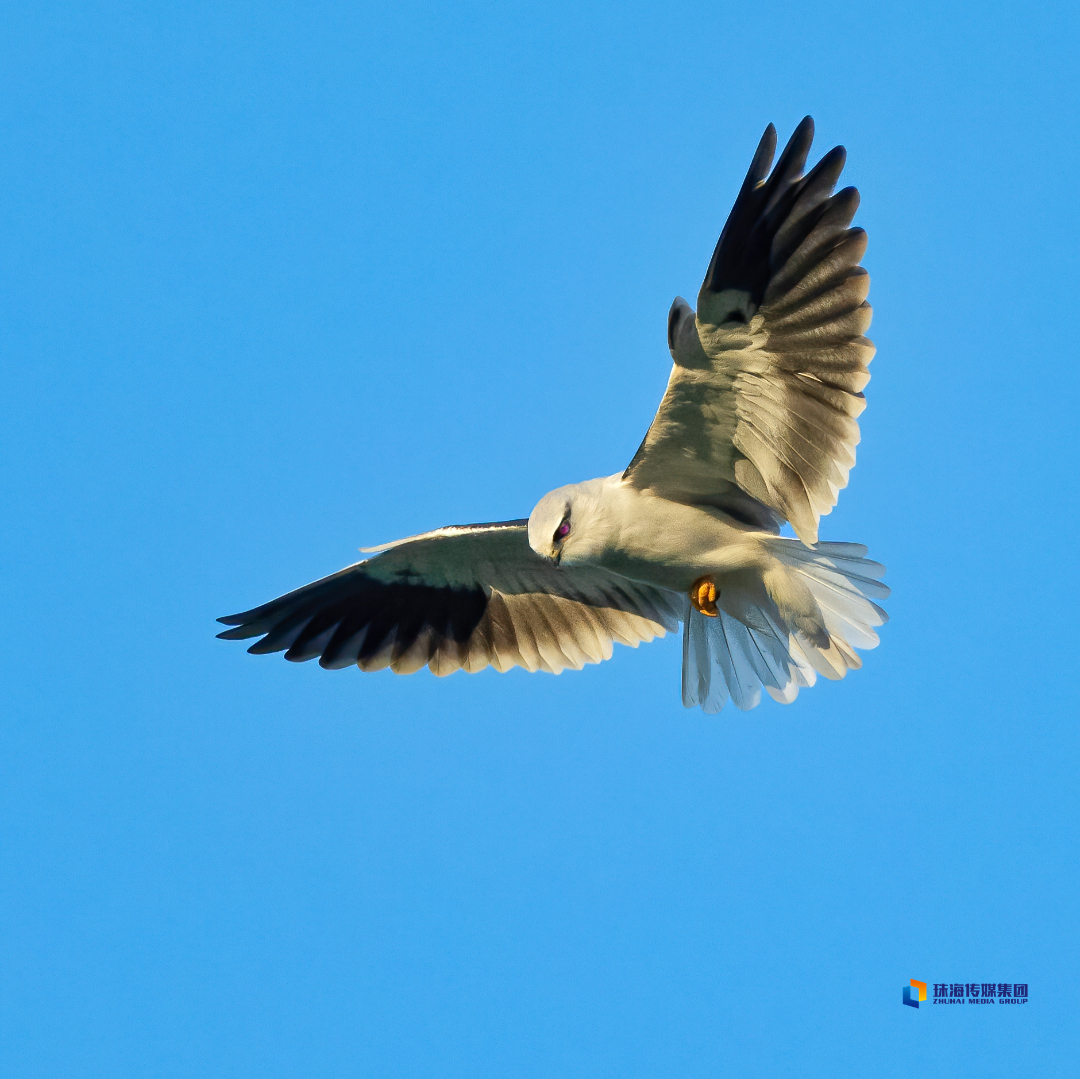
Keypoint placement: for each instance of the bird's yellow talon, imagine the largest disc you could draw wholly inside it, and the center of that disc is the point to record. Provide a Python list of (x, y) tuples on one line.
[(703, 595)]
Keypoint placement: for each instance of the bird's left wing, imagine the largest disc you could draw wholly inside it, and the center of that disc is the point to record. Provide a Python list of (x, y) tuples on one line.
[(759, 417), (464, 597)]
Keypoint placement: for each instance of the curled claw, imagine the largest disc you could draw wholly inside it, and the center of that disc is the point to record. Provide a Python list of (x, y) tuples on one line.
[(703, 595)]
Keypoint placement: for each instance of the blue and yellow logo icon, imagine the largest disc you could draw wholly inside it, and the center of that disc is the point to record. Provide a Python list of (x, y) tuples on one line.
[(914, 1002)]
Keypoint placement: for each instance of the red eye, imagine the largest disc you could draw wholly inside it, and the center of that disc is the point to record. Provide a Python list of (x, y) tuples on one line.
[(563, 530)]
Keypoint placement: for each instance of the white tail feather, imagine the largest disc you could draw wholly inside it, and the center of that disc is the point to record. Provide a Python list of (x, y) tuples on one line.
[(724, 658)]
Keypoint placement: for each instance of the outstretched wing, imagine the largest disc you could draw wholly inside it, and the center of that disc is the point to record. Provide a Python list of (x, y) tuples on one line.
[(465, 597), (759, 417)]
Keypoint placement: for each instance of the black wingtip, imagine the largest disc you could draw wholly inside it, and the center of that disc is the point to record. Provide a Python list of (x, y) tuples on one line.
[(837, 154), (802, 138), (789, 167), (798, 146), (239, 633), (763, 158), (829, 167), (745, 251)]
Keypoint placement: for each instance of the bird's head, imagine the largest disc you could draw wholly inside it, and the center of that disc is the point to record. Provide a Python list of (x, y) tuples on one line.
[(559, 525), (551, 524)]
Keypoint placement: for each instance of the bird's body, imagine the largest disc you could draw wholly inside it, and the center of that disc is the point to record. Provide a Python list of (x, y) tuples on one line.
[(757, 427), (645, 537)]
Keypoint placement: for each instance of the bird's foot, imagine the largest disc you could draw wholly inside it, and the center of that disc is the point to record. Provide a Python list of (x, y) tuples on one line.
[(703, 593)]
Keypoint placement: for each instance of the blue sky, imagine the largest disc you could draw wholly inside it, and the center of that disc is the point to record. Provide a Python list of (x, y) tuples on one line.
[(281, 280)]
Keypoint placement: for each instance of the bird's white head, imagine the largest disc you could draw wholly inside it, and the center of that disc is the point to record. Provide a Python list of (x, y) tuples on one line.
[(562, 526)]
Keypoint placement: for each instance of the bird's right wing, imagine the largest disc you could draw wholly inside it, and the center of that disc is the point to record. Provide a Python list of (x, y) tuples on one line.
[(759, 417), (464, 597)]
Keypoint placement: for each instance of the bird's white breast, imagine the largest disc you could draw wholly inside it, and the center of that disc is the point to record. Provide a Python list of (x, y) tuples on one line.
[(648, 538)]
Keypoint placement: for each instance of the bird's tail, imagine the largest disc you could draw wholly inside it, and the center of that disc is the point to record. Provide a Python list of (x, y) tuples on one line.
[(803, 617)]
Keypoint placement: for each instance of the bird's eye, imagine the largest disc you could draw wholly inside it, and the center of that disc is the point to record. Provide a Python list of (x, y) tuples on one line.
[(562, 531)]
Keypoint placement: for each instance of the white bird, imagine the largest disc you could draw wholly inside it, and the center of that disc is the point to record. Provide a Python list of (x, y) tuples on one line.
[(757, 427)]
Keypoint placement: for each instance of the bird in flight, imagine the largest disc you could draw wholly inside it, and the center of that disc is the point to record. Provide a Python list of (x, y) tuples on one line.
[(757, 427)]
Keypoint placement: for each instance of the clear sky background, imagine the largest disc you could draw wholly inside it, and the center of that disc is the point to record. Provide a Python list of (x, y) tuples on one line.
[(284, 279)]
